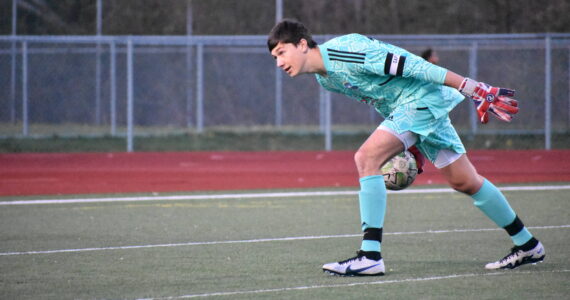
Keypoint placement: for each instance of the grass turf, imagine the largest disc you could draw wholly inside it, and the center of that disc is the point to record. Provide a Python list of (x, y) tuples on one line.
[(248, 141), (185, 257)]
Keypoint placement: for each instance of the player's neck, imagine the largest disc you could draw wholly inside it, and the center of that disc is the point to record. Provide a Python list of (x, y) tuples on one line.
[(315, 62)]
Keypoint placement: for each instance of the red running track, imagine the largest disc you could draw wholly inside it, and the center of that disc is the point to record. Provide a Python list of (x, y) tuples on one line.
[(86, 173)]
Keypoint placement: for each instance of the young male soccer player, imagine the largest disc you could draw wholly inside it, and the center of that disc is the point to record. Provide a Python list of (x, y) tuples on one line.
[(414, 97)]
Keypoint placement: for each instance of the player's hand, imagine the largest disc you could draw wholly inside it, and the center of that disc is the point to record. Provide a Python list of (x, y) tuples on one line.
[(492, 99), (420, 159), (503, 109)]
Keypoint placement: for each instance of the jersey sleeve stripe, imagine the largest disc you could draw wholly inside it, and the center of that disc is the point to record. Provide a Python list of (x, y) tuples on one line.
[(387, 63), (401, 63), (348, 61), (346, 52), (346, 56)]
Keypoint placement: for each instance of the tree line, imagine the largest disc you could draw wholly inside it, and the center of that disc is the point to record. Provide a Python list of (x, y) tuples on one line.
[(252, 17)]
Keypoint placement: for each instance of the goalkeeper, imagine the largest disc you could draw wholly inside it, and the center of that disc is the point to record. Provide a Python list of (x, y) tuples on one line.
[(414, 97)]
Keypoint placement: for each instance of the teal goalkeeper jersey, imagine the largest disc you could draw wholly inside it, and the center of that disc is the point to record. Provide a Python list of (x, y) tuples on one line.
[(384, 76)]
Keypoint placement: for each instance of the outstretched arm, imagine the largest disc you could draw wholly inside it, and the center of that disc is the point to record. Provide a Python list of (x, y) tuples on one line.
[(453, 80), (487, 98)]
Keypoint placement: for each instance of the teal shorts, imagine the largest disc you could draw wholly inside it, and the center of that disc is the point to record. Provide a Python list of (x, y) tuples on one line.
[(433, 134)]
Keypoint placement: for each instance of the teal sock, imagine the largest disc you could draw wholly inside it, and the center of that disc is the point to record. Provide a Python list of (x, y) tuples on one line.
[(522, 237), (495, 206), (372, 199)]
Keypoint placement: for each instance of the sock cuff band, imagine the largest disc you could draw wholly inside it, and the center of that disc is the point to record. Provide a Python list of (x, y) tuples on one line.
[(373, 234), (515, 227), (371, 177), (529, 245)]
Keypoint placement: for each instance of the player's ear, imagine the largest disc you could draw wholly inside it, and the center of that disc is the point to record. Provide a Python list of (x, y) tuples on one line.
[(303, 44)]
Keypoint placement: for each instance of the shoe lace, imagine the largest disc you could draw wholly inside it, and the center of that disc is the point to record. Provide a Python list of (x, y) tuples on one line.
[(514, 252), (359, 255)]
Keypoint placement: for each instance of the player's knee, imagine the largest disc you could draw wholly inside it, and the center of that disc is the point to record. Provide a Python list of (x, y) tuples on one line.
[(364, 161), (360, 159), (464, 186), (368, 163)]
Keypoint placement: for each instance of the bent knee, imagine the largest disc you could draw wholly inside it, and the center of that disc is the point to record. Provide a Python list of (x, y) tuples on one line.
[(469, 187), (368, 163), (361, 159)]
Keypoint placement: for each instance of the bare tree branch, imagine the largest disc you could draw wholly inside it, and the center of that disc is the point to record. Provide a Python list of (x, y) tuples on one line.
[(41, 9)]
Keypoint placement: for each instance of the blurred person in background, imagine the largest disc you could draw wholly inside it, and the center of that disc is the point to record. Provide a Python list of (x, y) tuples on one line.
[(430, 55)]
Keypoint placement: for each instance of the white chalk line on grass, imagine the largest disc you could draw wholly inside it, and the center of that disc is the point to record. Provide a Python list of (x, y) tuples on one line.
[(353, 284), (262, 195), (297, 238)]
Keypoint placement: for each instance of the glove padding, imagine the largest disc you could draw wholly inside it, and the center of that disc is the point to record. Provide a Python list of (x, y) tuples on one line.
[(503, 109), (420, 159), (490, 99)]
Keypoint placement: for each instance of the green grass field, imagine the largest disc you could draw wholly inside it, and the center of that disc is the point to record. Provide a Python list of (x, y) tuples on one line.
[(84, 138), (272, 246)]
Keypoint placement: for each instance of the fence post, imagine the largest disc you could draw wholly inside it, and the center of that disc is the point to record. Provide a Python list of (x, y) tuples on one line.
[(98, 83), (278, 97), (278, 10), (113, 87), (130, 95), (322, 92), (189, 53), (25, 129), (189, 90), (200, 88), (13, 66), (473, 120), (278, 74), (98, 28), (328, 121), (13, 83), (547, 94)]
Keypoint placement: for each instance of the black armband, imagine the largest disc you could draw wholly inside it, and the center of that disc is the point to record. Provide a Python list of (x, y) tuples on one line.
[(394, 64)]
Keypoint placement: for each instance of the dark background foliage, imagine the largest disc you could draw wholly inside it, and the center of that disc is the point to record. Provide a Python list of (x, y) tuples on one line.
[(247, 17)]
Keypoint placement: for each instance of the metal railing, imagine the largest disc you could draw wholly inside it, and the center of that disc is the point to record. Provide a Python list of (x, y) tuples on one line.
[(199, 82)]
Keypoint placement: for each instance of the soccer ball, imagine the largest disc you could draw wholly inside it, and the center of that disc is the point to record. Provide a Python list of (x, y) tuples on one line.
[(400, 171)]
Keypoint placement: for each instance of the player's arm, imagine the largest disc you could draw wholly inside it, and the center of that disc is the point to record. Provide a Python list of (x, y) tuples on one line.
[(412, 66), (487, 98), (384, 59), (394, 61)]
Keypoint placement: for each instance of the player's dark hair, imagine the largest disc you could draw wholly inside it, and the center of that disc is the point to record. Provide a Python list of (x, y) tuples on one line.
[(427, 53), (289, 31)]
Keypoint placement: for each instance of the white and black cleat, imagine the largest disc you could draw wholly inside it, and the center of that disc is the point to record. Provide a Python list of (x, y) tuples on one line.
[(519, 257), (363, 264)]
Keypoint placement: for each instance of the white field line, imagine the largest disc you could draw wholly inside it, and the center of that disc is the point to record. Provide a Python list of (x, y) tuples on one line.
[(297, 238), (353, 284), (262, 195)]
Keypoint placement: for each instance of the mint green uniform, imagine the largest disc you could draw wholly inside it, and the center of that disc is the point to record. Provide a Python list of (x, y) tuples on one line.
[(409, 93), (405, 89)]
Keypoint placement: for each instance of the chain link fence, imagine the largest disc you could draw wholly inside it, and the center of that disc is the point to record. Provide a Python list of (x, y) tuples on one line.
[(127, 86)]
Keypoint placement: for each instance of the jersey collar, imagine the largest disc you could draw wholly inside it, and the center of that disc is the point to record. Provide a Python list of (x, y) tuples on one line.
[(325, 57)]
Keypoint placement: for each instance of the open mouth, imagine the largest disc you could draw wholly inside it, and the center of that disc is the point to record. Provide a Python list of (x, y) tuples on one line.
[(287, 70)]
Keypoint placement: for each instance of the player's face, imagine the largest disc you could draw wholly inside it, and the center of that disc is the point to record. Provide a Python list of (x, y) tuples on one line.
[(290, 58)]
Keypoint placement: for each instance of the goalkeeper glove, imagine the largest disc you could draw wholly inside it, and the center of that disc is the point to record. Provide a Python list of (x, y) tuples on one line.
[(420, 159), (490, 99)]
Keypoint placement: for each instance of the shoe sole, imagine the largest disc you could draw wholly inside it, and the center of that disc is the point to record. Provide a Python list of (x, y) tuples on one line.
[(333, 273), (532, 261)]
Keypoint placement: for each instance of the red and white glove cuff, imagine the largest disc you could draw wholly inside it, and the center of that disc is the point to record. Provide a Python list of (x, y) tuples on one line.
[(468, 87)]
